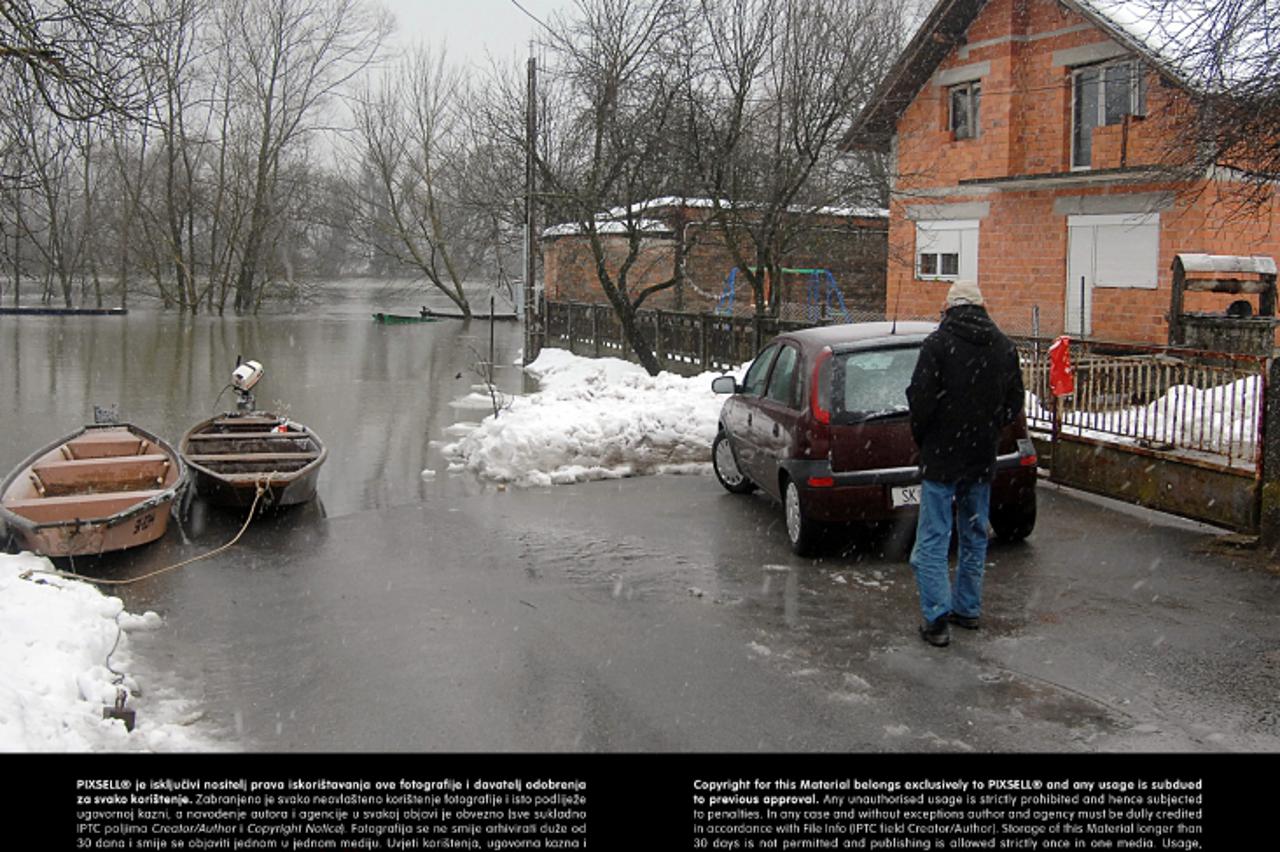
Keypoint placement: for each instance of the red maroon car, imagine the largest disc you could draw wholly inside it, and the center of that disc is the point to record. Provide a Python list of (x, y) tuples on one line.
[(821, 423)]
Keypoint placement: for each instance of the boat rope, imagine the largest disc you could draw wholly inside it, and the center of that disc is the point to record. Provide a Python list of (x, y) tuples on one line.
[(262, 486)]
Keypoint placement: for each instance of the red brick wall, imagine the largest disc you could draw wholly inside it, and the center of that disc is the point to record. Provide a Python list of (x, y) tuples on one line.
[(1025, 129), (855, 252)]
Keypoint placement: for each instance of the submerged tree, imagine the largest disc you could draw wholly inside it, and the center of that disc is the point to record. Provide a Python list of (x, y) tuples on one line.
[(411, 185), (289, 58)]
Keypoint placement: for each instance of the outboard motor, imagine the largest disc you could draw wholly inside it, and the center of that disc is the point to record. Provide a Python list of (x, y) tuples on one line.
[(246, 375)]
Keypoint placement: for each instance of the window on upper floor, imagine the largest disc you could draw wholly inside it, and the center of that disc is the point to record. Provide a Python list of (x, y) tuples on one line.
[(963, 111), (947, 249), (1102, 95)]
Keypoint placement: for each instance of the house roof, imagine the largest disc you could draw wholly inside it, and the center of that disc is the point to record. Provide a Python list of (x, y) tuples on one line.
[(625, 220), (1173, 37)]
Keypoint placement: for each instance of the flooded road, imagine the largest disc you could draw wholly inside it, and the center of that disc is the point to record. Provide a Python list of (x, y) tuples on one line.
[(439, 613)]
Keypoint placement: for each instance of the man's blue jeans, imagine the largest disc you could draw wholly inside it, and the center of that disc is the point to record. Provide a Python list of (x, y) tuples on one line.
[(933, 539)]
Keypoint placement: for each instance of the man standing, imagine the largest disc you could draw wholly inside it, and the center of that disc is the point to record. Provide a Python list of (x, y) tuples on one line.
[(967, 386)]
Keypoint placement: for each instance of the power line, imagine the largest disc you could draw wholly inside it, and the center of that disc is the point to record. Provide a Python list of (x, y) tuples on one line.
[(533, 17)]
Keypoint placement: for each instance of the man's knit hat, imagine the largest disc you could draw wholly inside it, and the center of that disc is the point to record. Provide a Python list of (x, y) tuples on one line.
[(964, 292)]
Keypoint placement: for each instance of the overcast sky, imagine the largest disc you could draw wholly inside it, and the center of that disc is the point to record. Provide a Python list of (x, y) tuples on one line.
[(470, 28)]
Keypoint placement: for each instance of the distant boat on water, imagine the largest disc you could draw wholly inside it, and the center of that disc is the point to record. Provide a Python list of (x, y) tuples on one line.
[(54, 311), (402, 319)]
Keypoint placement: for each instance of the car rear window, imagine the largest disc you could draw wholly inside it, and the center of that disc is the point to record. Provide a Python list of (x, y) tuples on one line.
[(872, 382)]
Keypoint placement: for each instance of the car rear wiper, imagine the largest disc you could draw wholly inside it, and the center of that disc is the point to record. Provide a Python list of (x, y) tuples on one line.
[(859, 417)]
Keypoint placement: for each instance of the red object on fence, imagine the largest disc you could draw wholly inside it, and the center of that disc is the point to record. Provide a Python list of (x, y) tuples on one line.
[(1062, 376)]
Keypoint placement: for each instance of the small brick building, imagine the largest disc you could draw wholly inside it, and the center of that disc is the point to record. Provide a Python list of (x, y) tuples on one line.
[(1028, 138), (851, 244)]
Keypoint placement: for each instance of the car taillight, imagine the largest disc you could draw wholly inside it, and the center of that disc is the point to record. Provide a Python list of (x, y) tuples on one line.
[(822, 482), (816, 390), (1028, 461)]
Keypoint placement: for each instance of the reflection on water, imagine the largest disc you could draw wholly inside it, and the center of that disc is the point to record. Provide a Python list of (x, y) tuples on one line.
[(377, 395), (260, 636)]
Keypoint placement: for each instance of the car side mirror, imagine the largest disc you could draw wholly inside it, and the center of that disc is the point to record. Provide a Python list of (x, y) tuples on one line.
[(724, 384)]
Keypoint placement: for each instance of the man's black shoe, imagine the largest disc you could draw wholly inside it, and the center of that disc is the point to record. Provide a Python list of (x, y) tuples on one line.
[(936, 632), (968, 622)]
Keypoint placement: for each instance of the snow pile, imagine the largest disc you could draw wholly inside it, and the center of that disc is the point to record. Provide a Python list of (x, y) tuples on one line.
[(594, 418), (57, 638)]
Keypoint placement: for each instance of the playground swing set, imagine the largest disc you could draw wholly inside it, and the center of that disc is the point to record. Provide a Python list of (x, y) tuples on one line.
[(823, 299)]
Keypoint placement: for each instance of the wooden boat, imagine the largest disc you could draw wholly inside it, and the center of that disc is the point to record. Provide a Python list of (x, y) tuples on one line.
[(105, 487), (232, 454), (63, 312), (401, 319), (456, 315)]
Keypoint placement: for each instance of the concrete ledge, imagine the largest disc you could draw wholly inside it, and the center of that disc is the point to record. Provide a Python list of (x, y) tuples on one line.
[(1214, 494)]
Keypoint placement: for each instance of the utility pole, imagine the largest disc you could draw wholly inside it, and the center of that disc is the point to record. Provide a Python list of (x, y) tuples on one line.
[(533, 318)]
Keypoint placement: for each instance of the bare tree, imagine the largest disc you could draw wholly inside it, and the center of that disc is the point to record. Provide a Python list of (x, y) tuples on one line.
[(291, 57), (778, 84), (1225, 54), (79, 58), (412, 151), (615, 124), (742, 102)]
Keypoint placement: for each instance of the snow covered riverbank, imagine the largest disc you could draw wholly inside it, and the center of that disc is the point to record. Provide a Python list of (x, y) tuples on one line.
[(65, 646), (593, 419), (64, 649)]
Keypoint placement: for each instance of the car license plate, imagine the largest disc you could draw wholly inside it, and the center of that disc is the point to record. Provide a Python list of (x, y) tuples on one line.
[(908, 495)]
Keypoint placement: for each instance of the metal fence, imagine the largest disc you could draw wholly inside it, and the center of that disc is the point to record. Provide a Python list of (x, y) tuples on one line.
[(683, 342), (1203, 405), (1207, 405)]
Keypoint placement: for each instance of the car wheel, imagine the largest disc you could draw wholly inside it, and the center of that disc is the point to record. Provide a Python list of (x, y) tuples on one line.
[(726, 467), (803, 532), (1015, 522)]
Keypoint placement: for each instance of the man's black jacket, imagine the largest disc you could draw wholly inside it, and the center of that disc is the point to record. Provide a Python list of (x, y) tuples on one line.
[(966, 387)]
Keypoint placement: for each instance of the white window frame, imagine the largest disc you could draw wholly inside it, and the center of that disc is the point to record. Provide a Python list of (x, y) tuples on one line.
[(945, 234), (972, 91), (1137, 97), (1118, 225)]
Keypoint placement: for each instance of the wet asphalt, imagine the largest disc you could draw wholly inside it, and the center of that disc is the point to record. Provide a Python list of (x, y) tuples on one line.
[(402, 612), (660, 614)]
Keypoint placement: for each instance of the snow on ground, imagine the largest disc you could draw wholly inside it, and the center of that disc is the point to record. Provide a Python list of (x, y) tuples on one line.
[(593, 418), (64, 646)]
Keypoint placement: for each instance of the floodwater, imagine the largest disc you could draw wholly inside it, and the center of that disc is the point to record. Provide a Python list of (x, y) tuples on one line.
[(403, 612), (377, 395)]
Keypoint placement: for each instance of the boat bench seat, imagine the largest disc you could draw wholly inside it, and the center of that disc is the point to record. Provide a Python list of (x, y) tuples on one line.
[(235, 422), (102, 474), (72, 506), (250, 458), (237, 436), (107, 442)]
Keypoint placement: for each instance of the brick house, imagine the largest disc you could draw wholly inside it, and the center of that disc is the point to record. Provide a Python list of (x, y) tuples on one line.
[(1028, 138), (852, 244)]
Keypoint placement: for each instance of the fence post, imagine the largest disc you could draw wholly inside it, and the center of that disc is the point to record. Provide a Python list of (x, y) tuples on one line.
[(595, 329), (569, 325), (1269, 498), (704, 341), (657, 338)]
